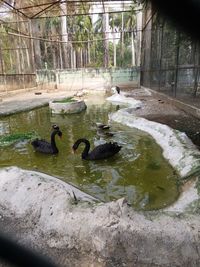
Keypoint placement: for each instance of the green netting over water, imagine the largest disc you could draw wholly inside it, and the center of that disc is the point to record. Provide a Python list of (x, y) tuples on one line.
[(10, 139), (65, 100)]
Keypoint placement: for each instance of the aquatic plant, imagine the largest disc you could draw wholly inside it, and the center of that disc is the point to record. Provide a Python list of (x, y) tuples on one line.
[(65, 100), (10, 139)]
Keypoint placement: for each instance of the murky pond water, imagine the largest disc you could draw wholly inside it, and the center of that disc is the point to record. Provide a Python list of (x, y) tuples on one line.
[(138, 172)]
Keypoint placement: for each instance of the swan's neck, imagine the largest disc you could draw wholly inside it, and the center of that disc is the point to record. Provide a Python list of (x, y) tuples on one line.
[(86, 149), (53, 142)]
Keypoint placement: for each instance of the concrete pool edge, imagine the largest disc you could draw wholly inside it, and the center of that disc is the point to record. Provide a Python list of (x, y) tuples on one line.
[(42, 210), (67, 108), (178, 149)]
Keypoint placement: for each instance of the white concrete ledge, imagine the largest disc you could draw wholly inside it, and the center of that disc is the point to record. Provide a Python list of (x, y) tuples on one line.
[(67, 107), (42, 209)]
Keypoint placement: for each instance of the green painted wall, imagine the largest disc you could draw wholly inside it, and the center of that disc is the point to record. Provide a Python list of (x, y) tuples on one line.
[(88, 78)]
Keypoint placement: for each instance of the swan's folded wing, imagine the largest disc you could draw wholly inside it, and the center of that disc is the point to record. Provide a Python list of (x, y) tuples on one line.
[(41, 144), (105, 151)]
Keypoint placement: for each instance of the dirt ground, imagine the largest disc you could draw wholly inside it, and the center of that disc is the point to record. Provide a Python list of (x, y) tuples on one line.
[(161, 110)]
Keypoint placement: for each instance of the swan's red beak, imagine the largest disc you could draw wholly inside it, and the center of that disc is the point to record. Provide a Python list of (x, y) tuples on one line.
[(73, 150)]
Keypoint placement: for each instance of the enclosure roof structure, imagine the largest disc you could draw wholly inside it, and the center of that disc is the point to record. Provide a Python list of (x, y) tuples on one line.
[(51, 8)]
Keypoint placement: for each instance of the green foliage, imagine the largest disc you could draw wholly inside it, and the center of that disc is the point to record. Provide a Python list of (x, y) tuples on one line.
[(98, 25), (97, 53), (65, 100), (124, 61), (11, 139), (8, 57), (80, 30)]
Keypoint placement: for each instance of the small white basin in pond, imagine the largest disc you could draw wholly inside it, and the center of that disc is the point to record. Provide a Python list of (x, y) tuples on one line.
[(67, 106)]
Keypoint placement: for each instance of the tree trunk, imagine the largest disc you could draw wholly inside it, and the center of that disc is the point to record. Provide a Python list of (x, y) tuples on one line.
[(31, 49), (11, 62), (81, 57), (60, 55), (18, 65), (85, 57), (106, 40), (122, 40), (115, 50), (1, 58), (138, 37), (132, 49), (74, 58), (89, 57), (36, 44), (64, 34), (54, 57), (78, 58), (27, 57)]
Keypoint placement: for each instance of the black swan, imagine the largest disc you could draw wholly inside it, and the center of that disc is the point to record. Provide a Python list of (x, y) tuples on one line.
[(99, 152), (46, 147), (117, 89)]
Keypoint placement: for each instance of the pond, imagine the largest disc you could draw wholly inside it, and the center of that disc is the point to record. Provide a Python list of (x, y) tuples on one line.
[(138, 172)]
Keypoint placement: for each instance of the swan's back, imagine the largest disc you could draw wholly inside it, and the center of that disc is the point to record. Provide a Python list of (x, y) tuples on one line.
[(42, 146), (104, 151)]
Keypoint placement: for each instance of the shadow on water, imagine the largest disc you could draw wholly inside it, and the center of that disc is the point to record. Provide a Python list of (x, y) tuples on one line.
[(138, 172)]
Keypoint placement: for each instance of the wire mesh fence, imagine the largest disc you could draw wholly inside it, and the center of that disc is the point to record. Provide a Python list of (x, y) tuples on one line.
[(87, 78), (170, 61)]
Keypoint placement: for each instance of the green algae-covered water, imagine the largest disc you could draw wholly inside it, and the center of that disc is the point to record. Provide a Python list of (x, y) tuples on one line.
[(139, 172)]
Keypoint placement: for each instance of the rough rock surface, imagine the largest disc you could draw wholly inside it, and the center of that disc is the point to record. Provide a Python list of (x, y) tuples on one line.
[(41, 210)]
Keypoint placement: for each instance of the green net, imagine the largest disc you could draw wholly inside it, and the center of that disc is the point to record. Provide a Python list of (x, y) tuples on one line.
[(9, 139), (65, 100)]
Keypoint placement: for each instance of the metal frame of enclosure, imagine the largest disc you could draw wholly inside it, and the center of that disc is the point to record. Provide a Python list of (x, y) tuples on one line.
[(170, 59), (25, 49)]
